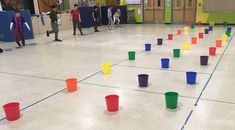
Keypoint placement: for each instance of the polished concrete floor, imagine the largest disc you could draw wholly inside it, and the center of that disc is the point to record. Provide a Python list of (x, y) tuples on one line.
[(35, 76)]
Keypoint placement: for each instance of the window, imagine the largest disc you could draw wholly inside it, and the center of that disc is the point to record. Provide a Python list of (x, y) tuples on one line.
[(178, 3), (159, 3), (190, 3)]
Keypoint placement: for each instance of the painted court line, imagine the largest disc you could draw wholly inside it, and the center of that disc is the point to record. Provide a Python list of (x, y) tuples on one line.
[(200, 95), (158, 69)]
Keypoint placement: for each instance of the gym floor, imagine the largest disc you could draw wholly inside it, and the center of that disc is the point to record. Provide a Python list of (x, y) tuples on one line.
[(35, 76)]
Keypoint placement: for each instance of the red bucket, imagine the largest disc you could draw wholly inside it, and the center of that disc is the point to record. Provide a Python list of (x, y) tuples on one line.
[(12, 111), (212, 51), (170, 36), (200, 35), (194, 40), (71, 84), (112, 102)]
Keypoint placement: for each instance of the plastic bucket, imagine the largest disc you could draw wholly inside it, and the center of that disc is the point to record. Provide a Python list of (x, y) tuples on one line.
[(170, 36), (191, 77), (185, 29), (131, 55), (179, 32), (112, 103), (225, 23), (228, 33), (159, 41), (143, 80), (12, 111), (192, 25), (194, 40), (212, 51), (147, 47), (176, 53), (200, 35), (210, 28), (224, 38), (171, 99), (71, 84), (206, 31), (204, 60), (165, 63), (106, 68), (218, 43), (189, 23), (229, 29), (186, 46)]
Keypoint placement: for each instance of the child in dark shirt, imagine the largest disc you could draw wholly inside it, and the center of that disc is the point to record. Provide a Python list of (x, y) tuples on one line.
[(54, 24)]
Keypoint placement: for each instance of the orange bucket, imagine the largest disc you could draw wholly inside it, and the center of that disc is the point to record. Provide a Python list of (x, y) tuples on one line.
[(218, 43), (179, 32), (71, 84), (194, 40)]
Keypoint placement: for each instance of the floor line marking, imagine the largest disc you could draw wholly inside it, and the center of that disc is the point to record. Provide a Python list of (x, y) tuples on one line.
[(159, 69), (205, 86)]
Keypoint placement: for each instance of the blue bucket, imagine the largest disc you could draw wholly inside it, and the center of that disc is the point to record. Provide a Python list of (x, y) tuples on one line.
[(229, 29), (210, 28), (165, 63), (147, 47), (191, 77)]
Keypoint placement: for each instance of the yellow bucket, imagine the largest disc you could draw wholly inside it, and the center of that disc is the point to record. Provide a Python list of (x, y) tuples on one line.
[(185, 29), (186, 46), (106, 68), (224, 38)]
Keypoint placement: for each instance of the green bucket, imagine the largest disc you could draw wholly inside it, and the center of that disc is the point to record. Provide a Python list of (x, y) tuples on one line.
[(171, 100), (228, 33), (176, 53), (225, 23), (131, 55), (193, 25)]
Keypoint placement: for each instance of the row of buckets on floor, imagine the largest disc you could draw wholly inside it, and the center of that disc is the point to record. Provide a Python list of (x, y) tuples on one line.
[(12, 110)]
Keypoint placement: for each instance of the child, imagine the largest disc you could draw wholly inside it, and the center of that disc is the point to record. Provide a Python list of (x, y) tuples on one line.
[(54, 24), (116, 17), (75, 16), (95, 15), (17, 27), (110, 18)]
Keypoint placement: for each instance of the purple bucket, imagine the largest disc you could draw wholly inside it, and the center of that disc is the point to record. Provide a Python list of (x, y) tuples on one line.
[(143, 80)]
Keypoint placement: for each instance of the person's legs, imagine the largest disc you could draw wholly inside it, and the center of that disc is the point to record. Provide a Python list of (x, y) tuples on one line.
[(79, 27), (96, 26), (16, 34), (109, 23), (118, 21), (74, 27), (22, 37)]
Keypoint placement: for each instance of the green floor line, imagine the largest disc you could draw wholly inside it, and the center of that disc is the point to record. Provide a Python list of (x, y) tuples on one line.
[(158, 93)]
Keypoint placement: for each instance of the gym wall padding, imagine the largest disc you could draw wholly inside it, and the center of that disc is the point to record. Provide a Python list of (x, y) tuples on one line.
[(217, 17), (6, 17), (219, 5)]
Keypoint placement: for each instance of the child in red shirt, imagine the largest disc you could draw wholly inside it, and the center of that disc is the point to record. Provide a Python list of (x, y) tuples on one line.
[(76, 18)]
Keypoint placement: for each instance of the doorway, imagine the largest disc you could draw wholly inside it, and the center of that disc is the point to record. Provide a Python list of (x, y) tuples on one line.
[(184, 11), (154, 11)]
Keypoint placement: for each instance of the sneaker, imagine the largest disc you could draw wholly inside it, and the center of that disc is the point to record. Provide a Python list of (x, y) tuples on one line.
[(74, 33), (97, 31), (48, 34), (82, 34), (58, 40)]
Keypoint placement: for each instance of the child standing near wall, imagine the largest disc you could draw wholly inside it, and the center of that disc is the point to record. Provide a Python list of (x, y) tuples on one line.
[(54, 24), (116, 17), (110, 18), (96, 18), (17, 27), (76, 18)]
